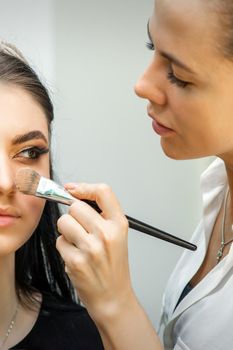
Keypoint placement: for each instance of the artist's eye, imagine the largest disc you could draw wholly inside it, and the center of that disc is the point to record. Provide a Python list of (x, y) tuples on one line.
[(150, 45), (174, 80), (32, 152)]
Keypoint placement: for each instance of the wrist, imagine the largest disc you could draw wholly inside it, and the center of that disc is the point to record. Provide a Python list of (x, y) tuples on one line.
[(108, 312), (124, 325)]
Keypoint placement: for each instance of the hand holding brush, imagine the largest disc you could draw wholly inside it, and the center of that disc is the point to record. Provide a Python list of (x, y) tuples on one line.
[(30, 182)]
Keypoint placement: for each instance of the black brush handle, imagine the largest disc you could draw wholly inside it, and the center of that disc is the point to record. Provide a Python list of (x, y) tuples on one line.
[(150, 230)]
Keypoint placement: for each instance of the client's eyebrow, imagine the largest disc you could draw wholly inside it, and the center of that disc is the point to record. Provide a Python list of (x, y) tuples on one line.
[(31, 135), (169, 56)]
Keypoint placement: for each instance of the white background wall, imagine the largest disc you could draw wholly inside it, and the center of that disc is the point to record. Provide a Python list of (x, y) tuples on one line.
[(90, 54), (30, 25)]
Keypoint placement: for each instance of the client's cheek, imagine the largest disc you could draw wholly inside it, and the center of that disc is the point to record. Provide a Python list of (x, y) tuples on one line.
[(33, 209)]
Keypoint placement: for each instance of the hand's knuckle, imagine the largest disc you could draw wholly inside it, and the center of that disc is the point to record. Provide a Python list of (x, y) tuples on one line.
[(77, 263), (104, 188), (105, 234), (61, 221), (95, 252), (108, 238), (74, 208)]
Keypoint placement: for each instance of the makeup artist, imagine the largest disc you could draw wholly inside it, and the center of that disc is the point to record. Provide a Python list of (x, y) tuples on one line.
[(189, 87)]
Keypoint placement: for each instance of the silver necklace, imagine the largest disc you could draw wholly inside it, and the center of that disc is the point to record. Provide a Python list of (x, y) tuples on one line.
[(223, 243), (10, 327)]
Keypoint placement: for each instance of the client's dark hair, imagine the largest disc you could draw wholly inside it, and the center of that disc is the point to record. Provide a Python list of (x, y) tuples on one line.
[(38, 265)]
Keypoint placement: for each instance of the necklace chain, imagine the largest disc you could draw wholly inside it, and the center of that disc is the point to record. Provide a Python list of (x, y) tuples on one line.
[(223, 243), (11, 326)]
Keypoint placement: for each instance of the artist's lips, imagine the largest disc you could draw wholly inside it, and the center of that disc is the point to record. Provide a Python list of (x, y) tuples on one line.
[(160, 128), (8, 216)]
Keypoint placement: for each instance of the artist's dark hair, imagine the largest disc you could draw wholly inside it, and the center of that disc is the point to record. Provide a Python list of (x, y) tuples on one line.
[(224, 11), (38, 265)]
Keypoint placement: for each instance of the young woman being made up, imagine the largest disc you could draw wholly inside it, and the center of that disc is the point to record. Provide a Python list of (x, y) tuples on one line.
[(37, 301)]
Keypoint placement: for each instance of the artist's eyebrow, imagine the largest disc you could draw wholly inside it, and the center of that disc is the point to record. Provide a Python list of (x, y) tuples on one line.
[(31, 135), (176, 61), (169, 56), (148, 30)]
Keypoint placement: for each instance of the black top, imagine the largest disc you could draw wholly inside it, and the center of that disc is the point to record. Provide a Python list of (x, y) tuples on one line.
[(61, 325), (185, 292)]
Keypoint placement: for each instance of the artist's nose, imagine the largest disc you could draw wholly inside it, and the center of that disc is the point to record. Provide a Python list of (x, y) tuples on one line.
[(150, 85), (7, 184)]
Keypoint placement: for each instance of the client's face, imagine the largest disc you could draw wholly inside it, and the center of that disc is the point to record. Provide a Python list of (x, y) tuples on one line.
[(23, 135)]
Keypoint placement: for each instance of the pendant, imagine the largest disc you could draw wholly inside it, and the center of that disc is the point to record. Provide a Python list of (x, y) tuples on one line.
[(220, 252)]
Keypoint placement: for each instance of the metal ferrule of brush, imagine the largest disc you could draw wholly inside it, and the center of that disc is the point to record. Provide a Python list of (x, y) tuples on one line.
[(51, 190)]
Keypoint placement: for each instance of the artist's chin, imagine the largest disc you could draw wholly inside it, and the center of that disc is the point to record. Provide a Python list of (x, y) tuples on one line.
[(174, 156), (182, 155), (176, 153), (170, 151)]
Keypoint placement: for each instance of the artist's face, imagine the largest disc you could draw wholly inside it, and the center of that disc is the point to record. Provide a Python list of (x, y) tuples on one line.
[(189, 83), (23, 133)]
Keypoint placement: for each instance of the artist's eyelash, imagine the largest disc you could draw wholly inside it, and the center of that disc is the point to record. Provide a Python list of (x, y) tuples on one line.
[(170, 76), (150, 45), (38, 151), (174, 80)]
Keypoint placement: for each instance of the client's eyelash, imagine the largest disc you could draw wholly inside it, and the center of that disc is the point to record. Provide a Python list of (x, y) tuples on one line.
[(33, 152), (174, 80)]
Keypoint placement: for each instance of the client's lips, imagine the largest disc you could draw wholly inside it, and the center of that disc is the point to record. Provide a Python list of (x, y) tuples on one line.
[(8, 216), (9, 211)]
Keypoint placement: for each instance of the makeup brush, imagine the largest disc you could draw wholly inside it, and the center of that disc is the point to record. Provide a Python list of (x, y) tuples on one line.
[(28, 181)]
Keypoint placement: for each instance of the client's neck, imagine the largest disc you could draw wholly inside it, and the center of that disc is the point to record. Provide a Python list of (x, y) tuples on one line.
[(8, 299)]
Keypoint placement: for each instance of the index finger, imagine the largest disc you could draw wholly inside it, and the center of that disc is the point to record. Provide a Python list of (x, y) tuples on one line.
[(102, 194)]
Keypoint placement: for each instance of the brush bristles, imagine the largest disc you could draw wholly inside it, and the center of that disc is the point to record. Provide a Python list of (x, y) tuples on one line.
[(27, 180)]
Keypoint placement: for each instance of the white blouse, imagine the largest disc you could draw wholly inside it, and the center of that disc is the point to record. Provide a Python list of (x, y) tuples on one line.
[(204, 318)]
